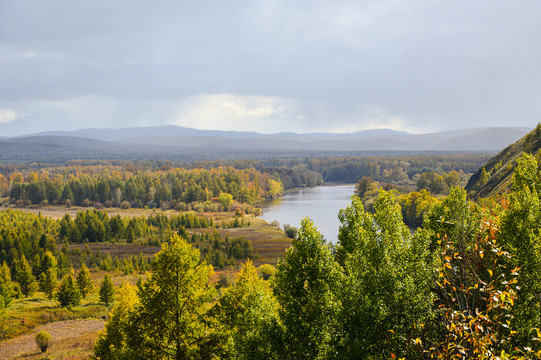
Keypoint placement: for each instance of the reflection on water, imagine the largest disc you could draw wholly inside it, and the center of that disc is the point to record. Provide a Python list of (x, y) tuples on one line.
[(321, 204)]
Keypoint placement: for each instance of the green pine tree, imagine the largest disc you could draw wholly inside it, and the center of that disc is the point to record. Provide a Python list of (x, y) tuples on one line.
[(171, 319), (107, 291), (7, 291), (248, 311), (68, 293), (112, 343), (25, 278), (48, 261), (84, 281), (48, 282)]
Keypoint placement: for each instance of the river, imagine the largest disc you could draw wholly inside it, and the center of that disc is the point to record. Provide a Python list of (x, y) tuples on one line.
[(320, 203)]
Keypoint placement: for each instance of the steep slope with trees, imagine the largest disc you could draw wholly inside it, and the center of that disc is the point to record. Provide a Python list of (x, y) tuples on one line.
[(495, 176)]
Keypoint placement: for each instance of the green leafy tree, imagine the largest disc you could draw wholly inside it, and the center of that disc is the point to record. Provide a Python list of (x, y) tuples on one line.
[(365, 186), (25, 278), (68, 293), (130, 235), (266, 271), (48, 282), (475, 286), (433, 182), (291, 231), (225, 199), (386, 292), (171, 321), (107, 291), (249, 312), (84, 281), (305, 286), (104, 190), (484, 177), (274, 188), (521, 237), (415, 205)]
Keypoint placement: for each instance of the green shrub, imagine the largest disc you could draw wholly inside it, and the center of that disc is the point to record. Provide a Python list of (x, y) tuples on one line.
[(266, 271), (125, 205), (291, 231), (43, 339)]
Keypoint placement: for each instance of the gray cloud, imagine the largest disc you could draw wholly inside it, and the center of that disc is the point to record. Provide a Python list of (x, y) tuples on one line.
[(270, 65)]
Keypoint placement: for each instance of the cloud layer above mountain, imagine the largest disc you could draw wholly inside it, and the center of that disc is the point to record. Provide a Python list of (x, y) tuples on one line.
[(269, 66)]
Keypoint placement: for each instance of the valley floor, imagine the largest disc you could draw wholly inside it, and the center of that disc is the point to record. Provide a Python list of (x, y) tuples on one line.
[(73, 339)]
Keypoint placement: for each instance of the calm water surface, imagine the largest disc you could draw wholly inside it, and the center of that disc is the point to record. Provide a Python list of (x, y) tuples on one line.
[(321, 204)]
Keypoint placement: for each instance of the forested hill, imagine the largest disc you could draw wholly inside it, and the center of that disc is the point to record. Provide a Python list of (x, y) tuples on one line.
[(495, 176)]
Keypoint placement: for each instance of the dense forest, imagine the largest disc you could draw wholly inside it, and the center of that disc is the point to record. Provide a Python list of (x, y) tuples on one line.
[(140, 189), (174, 185), (39, 241), (466, 285), (383, 291)]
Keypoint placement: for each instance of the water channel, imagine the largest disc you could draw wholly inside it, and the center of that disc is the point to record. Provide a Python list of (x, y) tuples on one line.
[(320, 203)]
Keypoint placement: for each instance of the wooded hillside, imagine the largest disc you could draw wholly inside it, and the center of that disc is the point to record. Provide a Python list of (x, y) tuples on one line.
[(495, 176)]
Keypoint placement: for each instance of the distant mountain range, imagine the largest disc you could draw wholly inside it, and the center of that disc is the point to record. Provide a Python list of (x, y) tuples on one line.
[(176, 142), (475, 139), (128, 134)]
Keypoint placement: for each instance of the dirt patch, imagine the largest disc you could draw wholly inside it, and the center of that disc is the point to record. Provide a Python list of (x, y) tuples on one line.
[(61, 332)]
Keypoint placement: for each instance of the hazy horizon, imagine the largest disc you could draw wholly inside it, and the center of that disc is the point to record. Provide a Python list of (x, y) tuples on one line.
[(270, 66), (392, 131)]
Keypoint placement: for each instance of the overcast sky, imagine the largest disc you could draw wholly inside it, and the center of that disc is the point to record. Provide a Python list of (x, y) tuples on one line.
[(269, 66)]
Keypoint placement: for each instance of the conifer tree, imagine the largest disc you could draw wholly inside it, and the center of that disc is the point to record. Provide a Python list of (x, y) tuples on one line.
[(84, 281), (171, 319), (48, 261), (112, 343), (63, 265), (48, 282), (7, 291), (107, 291), (25, 278), (248, 311), (68, 293), (67, 193)]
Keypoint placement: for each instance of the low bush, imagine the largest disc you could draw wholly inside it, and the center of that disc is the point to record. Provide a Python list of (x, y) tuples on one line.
[(43, 339)]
